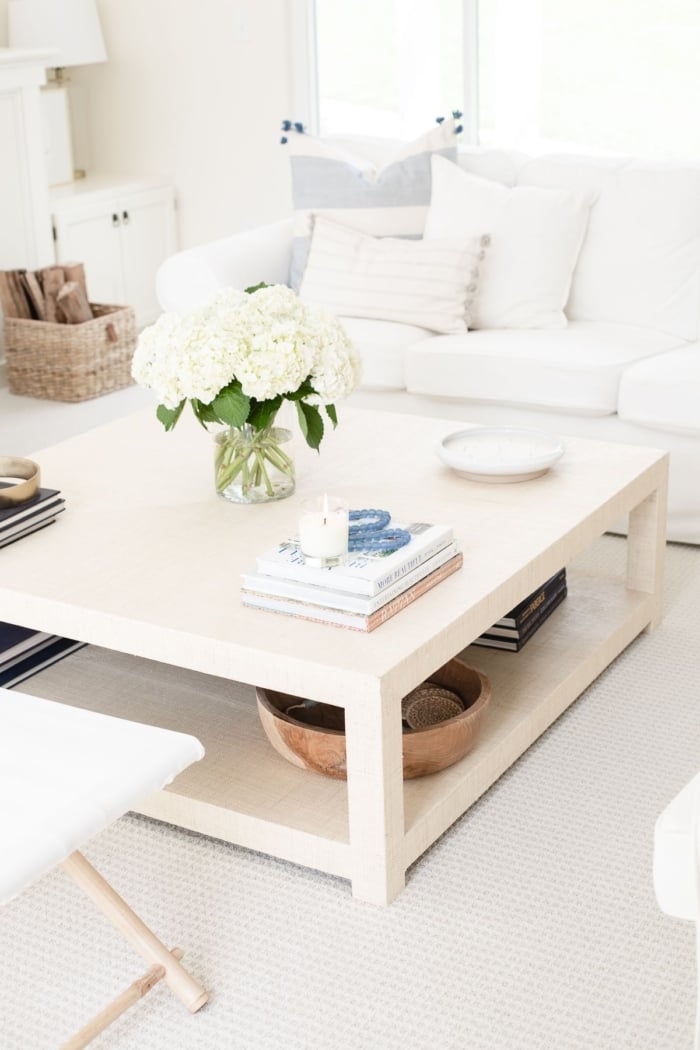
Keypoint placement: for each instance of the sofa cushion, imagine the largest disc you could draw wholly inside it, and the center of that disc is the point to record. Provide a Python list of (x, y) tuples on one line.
[(536, 235), (339, 181), (382, 345), (190, 277), (676, 869), (640, 261), (576, 369), (431, 284), (499, 165), (664, 391)]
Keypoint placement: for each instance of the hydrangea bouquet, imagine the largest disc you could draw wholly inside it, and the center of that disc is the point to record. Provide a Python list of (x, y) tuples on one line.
[(236, 359)]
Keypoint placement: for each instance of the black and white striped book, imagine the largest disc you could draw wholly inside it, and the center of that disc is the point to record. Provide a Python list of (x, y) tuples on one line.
[(24, 652), (514, 643)]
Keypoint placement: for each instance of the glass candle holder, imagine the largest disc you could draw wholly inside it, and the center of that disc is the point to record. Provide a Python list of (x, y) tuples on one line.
[(323, 531)]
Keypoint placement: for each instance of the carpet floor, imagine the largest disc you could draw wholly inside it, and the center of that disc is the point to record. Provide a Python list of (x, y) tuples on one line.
[(530, 925)]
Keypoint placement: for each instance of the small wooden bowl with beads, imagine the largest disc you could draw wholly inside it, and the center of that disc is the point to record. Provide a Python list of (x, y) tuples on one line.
[(442, 722)]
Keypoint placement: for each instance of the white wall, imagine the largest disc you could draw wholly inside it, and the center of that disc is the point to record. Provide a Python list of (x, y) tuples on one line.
[(195, 90)]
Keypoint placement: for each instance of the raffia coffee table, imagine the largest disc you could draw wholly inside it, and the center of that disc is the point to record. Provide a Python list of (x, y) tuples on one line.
[(146, 561)]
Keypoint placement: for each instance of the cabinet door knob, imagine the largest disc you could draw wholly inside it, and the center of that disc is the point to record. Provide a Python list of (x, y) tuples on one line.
[(115, 219), (125, 218)]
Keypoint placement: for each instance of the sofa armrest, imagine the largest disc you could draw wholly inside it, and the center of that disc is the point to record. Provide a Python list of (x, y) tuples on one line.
[(188, 278), (676, 867)]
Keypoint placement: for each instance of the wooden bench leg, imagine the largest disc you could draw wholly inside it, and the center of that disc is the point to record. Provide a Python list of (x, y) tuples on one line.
[(135, 931), (118, 1006)]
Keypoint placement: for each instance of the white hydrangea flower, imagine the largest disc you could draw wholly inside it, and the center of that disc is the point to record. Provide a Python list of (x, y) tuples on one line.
[(184, 356), (274, 356), (337, 367), (270, 341)]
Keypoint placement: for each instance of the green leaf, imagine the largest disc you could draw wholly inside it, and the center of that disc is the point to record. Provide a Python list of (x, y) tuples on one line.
[(169, 416), (204, 413), (263, 412), (332, 415), (256, 287), (305, 390), (311, 424), (231, 405)]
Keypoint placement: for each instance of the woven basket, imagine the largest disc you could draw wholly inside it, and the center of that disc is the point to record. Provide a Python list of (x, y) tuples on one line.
[(71, 362)]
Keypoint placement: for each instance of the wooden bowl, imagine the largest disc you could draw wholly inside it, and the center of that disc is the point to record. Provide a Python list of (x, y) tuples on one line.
[(312, 735)]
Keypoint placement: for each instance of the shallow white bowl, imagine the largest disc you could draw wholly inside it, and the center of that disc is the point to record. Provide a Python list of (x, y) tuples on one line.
[(500, 454)]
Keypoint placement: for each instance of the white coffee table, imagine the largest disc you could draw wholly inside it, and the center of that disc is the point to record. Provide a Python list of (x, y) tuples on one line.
[(146, 561)]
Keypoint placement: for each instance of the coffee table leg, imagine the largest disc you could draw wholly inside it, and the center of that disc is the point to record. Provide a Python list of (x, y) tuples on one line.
[(375, 797), (646, 541)]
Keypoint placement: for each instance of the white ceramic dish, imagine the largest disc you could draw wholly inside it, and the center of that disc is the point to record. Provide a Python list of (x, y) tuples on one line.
[(500, 454)]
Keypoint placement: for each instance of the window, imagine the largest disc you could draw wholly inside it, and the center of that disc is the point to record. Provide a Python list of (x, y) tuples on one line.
[(387, 67), (619, 76), (610, 76)]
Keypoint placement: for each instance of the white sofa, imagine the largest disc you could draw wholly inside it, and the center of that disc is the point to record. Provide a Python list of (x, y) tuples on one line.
[(677, 867), (627, 367)]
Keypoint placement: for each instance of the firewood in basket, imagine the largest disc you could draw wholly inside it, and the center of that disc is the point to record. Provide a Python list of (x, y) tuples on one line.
[(34, 294), (75, 271), (18, 302), (51, 280), (7, 302), (72, 306)]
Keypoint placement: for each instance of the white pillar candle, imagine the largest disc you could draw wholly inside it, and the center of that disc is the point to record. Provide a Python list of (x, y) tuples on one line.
[(323, 529)]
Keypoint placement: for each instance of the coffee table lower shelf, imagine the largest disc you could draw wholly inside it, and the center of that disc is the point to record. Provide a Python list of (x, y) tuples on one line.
[(243, 792)]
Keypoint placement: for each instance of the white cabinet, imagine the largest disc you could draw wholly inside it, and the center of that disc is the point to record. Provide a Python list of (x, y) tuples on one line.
[(122, 230), (25, 229)]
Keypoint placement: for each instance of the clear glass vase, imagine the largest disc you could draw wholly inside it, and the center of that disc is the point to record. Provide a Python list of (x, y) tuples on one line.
[(253, 466)]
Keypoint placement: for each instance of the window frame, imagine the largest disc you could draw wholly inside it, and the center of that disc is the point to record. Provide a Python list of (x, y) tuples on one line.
[(304, 67)]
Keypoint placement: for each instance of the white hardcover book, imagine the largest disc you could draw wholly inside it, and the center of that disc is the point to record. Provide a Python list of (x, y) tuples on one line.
[(276, 587), (356, 621), (303, 611), (363, 573)]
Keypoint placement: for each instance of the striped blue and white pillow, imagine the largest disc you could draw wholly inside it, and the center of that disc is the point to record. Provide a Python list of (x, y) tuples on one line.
[(339, 181)]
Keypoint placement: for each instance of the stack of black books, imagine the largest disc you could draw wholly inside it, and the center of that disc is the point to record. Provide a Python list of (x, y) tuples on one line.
[(514, 629), (24, 652), (24, 518)]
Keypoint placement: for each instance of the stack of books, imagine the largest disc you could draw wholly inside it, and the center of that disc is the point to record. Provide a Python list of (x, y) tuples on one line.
[(24, 652), (518, 626), (35, 513), (361, 594)]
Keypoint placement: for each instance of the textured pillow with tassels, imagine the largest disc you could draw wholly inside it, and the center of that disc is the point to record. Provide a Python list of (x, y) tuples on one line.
[(429, 284), (335, 178)]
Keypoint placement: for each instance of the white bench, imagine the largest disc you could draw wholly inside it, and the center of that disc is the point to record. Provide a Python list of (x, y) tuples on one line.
[(66, 774), (677, 865)]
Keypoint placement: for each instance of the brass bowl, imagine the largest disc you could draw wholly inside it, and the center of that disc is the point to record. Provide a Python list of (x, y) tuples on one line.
[(311, 734)]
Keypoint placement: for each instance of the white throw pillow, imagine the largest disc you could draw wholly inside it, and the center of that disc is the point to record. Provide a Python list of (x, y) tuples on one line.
[(536, 236), (430, 284)]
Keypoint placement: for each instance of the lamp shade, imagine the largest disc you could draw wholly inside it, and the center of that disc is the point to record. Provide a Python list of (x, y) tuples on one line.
[(71, 28)]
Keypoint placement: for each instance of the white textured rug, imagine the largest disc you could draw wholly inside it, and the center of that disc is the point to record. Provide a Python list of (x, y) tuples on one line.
[(531, 925)]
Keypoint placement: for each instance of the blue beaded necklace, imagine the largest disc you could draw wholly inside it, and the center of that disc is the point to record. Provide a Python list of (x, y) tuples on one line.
[(371, 532)]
